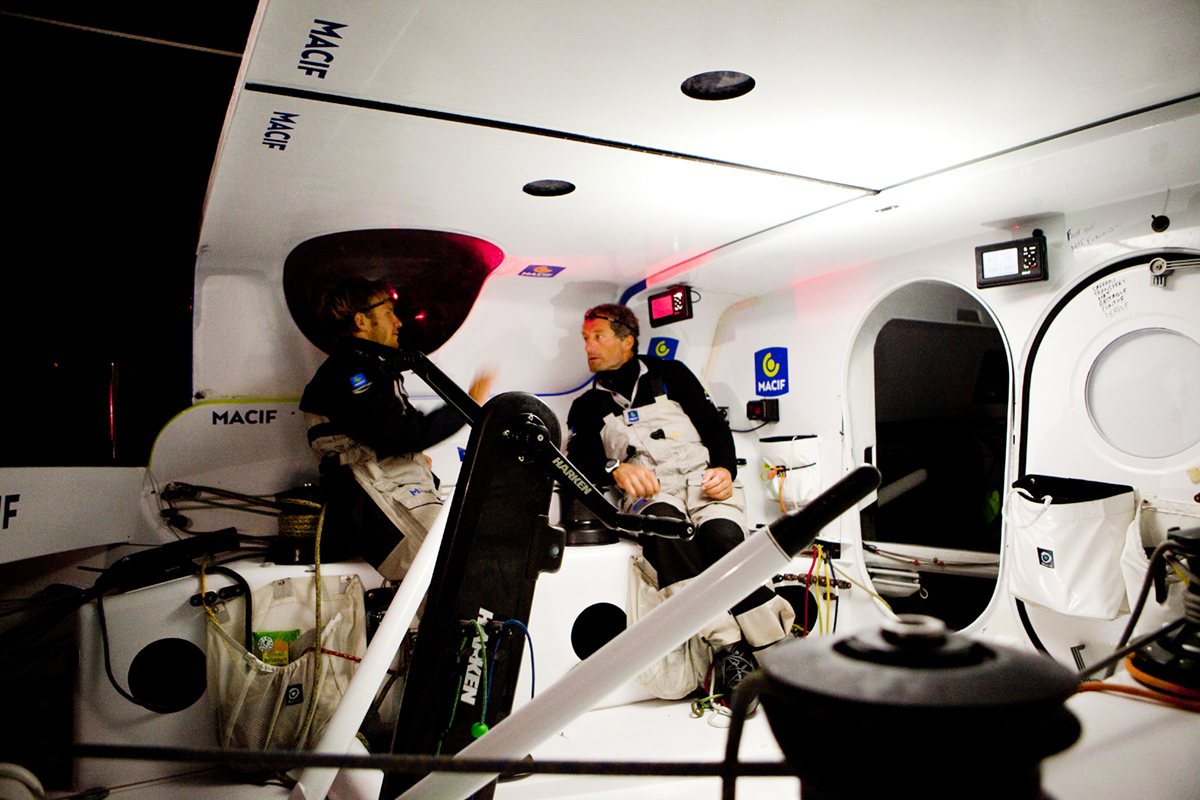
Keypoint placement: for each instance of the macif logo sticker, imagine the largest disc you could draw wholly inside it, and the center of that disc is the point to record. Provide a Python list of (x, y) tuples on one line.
[(540, 271), (771, 372), (663, 347)]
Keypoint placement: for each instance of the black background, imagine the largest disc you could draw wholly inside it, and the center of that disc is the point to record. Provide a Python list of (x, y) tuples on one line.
[(109, 142)]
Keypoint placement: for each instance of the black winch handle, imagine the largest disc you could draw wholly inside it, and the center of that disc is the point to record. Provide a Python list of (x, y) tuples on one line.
[(419, 364), (795, 532), (539, 450)]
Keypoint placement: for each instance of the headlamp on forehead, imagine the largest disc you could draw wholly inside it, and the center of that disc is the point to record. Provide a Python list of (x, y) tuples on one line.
[(620, 318), (392, 297)]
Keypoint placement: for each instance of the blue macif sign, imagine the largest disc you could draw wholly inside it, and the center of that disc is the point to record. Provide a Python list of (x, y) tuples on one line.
[(770, 372), (540, 271), (663, 347)]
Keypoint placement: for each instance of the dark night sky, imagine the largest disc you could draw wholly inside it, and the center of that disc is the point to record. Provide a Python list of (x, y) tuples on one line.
[(109, 142)]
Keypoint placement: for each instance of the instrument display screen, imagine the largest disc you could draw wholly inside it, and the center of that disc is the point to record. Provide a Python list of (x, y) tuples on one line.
[(1018, 261), (671, 305)]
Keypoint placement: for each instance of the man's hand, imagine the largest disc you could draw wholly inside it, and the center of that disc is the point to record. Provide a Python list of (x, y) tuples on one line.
[(717, 483), (481, 387), (636, 480)]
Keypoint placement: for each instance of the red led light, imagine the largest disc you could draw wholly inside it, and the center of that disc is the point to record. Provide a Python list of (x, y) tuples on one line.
[(660, 307)]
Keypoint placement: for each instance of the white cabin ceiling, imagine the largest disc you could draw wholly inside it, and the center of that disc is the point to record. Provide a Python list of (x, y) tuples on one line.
[(858, 94), (861, 93)]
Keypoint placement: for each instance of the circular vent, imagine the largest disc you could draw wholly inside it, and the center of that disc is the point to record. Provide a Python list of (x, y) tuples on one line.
[(548, 188), (718, 85)]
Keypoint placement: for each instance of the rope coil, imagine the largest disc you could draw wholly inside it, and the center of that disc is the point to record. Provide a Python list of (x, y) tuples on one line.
[(299, 518)]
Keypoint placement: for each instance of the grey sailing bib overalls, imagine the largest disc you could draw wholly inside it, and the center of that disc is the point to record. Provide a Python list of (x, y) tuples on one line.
[(662, 438), (402, 486)]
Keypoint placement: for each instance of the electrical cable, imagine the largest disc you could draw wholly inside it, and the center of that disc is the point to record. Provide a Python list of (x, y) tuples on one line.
[(19, 605), (828, 592), (156, 490), (808, 583), (886, 605), (720, 718), (480, 728), (107, 658), (23, 635), (702, 705), (1111, 661), (816, 565), (1138, 691), (830, 585), (241, 537), (297, 517), (769, 474), (1159, 555), (1163, 685), (454, 708), (870, 548), (837, 607), (532, 665), (394, 675), (102, 585), (822, 597), (191, 492), (496, 650), (112, 578), (248, 636), (1027, 624), (491, 674), (707, 684), (239, 555), (249, 509)]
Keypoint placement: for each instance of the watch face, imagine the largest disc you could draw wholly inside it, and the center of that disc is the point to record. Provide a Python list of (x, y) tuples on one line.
[(611, 465)]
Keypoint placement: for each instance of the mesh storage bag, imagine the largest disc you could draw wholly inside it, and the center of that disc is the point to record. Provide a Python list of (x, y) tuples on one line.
[(261, 706)]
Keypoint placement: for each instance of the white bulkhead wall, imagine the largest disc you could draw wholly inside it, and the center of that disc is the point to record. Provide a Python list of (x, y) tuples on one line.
[(245, 343), (820, 321)]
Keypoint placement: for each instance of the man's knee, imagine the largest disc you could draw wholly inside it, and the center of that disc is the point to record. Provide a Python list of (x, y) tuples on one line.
[(662, 510), (716, 537)]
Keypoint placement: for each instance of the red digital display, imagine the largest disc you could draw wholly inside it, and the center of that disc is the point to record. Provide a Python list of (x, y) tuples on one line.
[(672, 305), (660, 307)]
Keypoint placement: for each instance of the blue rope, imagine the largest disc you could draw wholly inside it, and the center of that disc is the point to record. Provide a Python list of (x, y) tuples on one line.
[(532, 666)]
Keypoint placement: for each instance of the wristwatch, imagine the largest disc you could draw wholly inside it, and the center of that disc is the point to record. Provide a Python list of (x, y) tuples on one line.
[(611, 465)]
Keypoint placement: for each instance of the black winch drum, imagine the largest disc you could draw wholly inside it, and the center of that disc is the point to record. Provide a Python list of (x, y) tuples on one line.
[(910, 707)]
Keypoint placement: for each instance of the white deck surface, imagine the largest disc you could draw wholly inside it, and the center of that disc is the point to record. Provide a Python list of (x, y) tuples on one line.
[(653, 730), (1129, 748)]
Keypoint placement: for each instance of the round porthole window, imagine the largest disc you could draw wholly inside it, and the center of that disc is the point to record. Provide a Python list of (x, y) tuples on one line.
[(1142, 390)]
